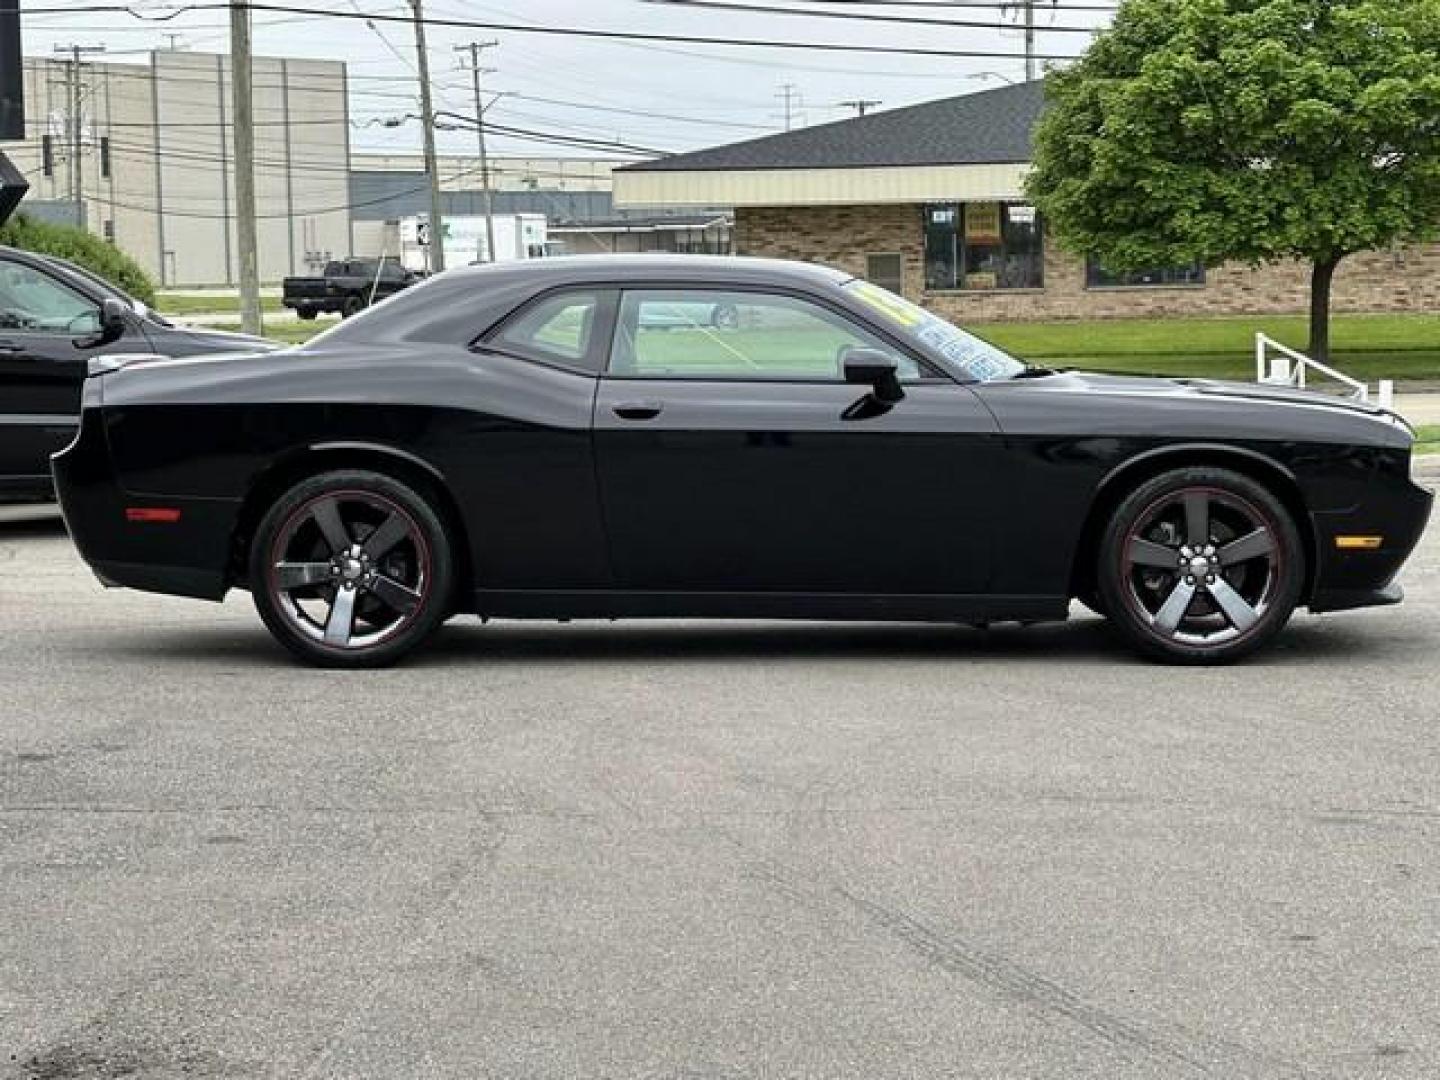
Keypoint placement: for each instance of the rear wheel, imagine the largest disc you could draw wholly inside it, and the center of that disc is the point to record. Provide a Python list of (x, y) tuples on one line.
[(1200, 566), (351, 569), (306, 313)]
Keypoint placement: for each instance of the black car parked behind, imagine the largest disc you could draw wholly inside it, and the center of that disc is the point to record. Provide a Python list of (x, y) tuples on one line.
[(54, 316)]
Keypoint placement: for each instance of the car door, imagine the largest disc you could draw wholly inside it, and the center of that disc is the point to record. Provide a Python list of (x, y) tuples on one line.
[(732, 455), (41, 368)]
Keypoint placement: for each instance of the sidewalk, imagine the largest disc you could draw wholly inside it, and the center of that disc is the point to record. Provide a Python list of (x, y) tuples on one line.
[(1419, 408)]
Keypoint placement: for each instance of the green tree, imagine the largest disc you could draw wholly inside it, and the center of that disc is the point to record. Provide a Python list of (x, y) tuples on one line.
[(1247, 130), (79, 246)]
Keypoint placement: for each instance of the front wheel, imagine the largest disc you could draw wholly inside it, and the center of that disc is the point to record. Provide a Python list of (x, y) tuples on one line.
[(1200, 566), (306, 313), (351, 569), (351, 305)]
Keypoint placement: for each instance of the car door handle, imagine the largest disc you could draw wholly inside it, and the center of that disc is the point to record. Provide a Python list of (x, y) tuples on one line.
[(638, 410)]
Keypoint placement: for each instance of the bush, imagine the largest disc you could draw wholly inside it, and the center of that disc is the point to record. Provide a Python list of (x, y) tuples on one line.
[(77, 245)]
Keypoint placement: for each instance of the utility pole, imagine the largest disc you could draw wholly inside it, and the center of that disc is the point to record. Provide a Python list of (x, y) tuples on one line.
[(474, 49), (1027, 11), (1029, 40), (789, 98), (244, 134), (427, 122), (76, 125), (861, 105)]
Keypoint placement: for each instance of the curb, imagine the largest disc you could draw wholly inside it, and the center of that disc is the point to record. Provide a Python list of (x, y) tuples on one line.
[(1426, 467)]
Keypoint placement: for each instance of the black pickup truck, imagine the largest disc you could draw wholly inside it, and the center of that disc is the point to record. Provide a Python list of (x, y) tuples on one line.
[(346, 286)]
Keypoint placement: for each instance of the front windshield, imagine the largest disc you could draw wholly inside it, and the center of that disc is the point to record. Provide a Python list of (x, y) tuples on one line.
[(977, 359)]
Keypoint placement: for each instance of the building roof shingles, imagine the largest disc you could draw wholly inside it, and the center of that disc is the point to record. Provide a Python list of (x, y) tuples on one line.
[(992, 127)]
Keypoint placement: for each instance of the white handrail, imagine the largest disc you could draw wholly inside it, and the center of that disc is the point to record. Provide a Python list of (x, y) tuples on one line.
[(1278, 370)]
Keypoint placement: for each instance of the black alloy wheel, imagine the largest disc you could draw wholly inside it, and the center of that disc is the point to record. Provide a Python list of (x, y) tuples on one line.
[(1200, 566), (351, 569)]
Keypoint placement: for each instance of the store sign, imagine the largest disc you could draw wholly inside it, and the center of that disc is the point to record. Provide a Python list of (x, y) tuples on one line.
[(982, 223)]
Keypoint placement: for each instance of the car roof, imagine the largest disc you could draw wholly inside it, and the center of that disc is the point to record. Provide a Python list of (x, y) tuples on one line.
[(20, 253), (700, 268), (88, 280)]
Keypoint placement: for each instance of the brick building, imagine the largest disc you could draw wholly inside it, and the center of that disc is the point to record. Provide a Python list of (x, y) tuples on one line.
[(929, 201)]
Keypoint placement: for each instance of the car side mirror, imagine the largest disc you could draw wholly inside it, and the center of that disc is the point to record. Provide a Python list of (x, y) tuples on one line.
[(114, 320), (877, 370)]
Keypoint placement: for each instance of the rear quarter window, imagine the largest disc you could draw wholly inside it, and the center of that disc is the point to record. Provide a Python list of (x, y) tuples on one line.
[(556, 329)]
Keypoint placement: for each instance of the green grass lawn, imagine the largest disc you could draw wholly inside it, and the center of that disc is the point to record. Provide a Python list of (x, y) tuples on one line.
[(174, 303), (1370, 347), (1427, 439), (795, 353), (291, 332)]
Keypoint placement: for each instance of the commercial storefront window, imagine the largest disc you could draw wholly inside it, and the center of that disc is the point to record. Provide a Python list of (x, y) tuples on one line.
[(1097, 277), (984, 245), (887, 271)]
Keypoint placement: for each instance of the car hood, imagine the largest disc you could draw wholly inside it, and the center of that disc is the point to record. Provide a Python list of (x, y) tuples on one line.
[(1216, 390), (1080, 402)]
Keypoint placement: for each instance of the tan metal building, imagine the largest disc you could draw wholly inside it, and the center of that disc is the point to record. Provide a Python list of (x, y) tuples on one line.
[(156, 167)]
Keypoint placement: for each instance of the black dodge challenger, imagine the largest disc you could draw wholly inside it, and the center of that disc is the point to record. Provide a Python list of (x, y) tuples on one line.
[(582, 438)]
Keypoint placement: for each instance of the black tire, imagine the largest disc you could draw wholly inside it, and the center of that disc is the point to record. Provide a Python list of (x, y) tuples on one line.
[(352, 569), (351, 305), (306, 313), (1176, 582)]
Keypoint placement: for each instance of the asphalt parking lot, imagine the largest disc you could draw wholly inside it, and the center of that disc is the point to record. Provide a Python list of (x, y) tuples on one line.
[(710, 850)]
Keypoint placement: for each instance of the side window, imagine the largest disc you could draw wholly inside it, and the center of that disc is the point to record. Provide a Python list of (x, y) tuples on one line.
[(715, 334), (556, 329), (31, 300)]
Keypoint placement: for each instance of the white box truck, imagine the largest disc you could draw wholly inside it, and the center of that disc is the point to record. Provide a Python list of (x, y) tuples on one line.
[(517, 236)]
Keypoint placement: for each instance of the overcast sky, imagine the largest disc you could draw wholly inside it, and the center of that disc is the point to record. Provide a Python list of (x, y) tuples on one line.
[(707, 94)]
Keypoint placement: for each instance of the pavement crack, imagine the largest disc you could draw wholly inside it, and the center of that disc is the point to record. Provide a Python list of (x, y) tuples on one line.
[(1198, 1053)]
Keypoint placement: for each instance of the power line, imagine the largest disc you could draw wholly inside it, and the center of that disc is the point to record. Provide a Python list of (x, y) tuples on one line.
[(335, 209), (526, 134), (311, 212), (517, 132), (707, 121), (574, 31), (951, 4), (910, 20), (201, 162), (144, 72)]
